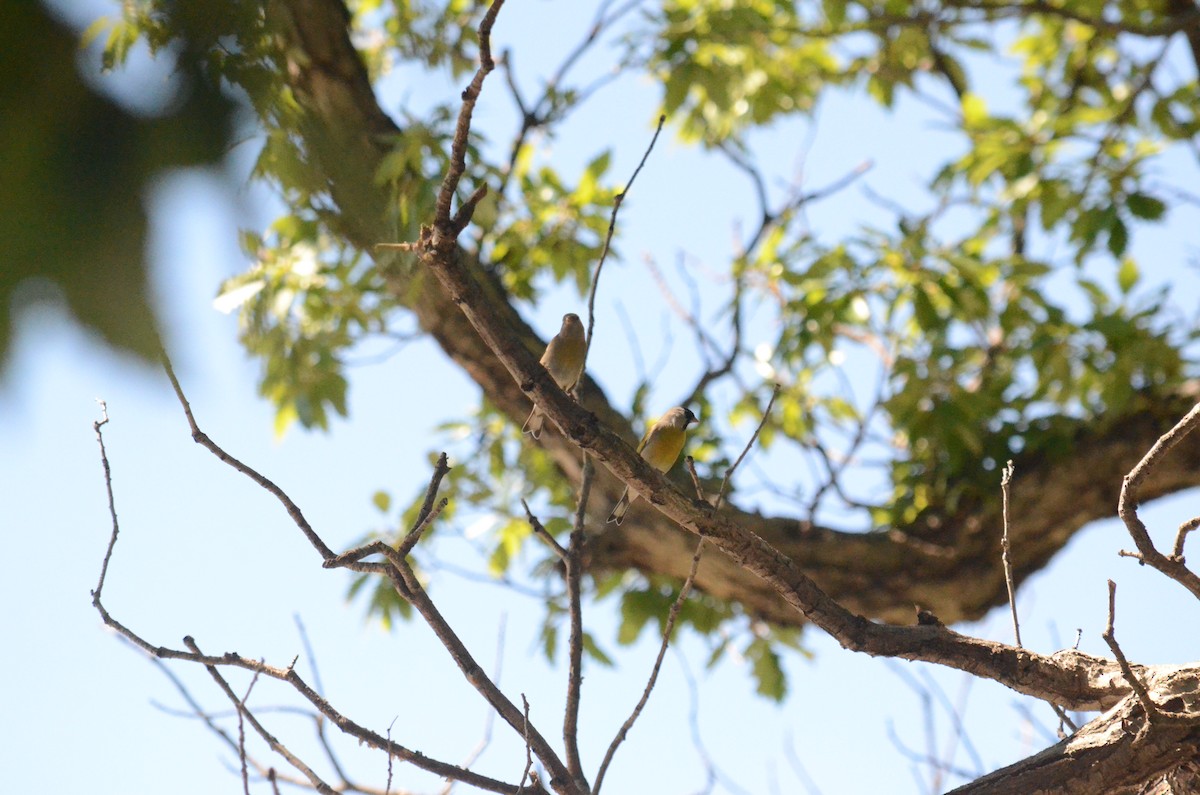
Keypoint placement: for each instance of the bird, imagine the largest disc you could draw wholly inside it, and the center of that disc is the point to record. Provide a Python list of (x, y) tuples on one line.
[(563, 359), (661, 448)]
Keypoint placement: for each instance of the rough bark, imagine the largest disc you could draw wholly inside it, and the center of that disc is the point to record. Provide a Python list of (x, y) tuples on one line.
[(1117, 753)]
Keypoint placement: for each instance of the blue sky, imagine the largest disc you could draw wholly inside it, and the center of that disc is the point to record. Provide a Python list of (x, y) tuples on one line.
[(205, 552)]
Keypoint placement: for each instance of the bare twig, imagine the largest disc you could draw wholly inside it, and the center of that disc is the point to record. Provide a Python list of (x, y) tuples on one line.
[(690, 464), (1181, 537), (202, 439), (410, 540), (450, 227), (388, 786), (317, 782), (574, 564), (427, 513), (662, 650), (1152, 714), (112, 509), (540, 114), (541, 532), (425, 517), (528, 748), (242, 735), (713, 773), (489, 719), (290, 676), (1064, 719), (1005, 480), (793, 758), (746, 449), (1174, 566), (410, 587), (612, 225)]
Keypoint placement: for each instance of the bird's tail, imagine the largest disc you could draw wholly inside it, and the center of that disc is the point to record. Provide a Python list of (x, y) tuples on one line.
[(618, 513), (533, 425)]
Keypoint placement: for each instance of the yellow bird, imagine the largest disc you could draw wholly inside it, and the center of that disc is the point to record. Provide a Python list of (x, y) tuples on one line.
[(660, 447), (563, 359)]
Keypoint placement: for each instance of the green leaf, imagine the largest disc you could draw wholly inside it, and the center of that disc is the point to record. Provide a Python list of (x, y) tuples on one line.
[(595, 652), (1128, 275), (1118, 237), (768, 672), (1145, 207), (382, 500), (974, 110)]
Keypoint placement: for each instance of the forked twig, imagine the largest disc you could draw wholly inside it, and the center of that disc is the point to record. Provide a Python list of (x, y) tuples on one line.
[(528, 748), (242, 735), (458, 147), (1174, 566), (317, 782), (409, 584)]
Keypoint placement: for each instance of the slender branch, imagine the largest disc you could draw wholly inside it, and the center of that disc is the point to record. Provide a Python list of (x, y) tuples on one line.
[(289, 674), (746, 449), (1173, 567), (440, 469), (490, 718), (276, 746), (1152, 714), (689, 463), (414, 535), (662, 650), (202, 439), (319, 719), (458, 147), (574, 564), (209, 721), (112, 509), (612, 225), (1063, 718), (409, 586), (387, 787), (1005, 480), (541, 532), (528, 748), (1181, 537), (1072, 679), (242, 735)]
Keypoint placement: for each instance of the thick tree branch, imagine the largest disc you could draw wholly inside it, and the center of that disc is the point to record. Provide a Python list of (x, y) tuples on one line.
[(1068, 678), (949, 563), (1103, 758)]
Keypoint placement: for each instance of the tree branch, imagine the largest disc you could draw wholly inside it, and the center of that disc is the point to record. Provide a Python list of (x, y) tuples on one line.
[(1174, 566), (961, 581)]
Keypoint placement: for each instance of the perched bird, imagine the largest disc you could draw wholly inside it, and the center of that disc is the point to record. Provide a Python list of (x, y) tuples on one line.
[(660, 447), (563, 359)]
